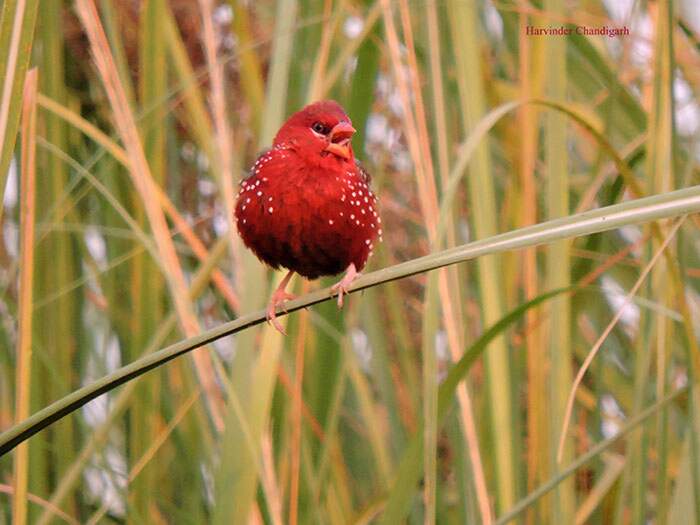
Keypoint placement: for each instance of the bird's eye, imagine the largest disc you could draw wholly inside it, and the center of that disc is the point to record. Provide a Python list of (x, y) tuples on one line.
[(319, 127)]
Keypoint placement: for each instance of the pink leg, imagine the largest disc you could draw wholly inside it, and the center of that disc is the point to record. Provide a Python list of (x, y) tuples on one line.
[(279, 296), (342, 286)]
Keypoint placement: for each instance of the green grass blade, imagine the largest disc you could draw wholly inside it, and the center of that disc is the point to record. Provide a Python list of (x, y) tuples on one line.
[(559, 323), (467, 39)]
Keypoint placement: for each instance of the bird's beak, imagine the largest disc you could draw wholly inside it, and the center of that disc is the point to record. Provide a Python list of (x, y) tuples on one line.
[(339, 137)]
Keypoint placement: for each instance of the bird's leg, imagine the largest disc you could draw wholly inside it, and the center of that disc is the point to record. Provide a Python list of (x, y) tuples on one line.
[(341, 287), (279, 296)]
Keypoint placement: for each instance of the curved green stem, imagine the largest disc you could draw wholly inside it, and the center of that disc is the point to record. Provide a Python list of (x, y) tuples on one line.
[(652, 208)]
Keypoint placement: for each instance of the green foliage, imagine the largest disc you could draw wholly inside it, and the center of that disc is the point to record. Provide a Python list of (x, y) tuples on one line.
[(524, 185)]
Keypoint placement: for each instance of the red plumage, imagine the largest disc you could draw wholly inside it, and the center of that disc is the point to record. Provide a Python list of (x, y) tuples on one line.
[(306, 204)]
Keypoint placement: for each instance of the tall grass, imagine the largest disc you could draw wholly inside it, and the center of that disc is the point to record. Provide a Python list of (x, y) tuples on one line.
[(26, 285), (441, 392)]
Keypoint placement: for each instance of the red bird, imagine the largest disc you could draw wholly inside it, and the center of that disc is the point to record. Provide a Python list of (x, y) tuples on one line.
[(306, 204)]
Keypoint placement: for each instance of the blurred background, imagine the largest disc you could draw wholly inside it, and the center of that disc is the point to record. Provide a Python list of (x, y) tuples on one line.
[(144, 115)]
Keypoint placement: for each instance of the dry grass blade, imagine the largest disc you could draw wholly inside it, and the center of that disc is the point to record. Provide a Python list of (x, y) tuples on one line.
[(452, 312), (222, 130), (26, 284), (420, 149), (530, 79), (329, 28), (426, 184), (269, 482), (7, 489), (295, 445), (417, 134), (143, 182)]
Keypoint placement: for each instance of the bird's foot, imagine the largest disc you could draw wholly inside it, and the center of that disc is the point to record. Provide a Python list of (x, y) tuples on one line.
[(342, 286), (279, 297)]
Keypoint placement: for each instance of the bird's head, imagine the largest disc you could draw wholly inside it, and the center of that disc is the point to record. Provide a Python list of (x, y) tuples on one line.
[(321, 128)]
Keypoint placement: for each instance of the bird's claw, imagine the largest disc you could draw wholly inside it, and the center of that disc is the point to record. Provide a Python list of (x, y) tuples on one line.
[(342, 286), (278, 298), (272, 319)]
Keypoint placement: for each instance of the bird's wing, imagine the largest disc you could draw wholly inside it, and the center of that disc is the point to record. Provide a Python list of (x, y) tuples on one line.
[(363, 172)]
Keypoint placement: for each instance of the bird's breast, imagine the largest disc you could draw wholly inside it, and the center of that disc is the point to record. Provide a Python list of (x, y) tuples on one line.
[(313, 223)]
